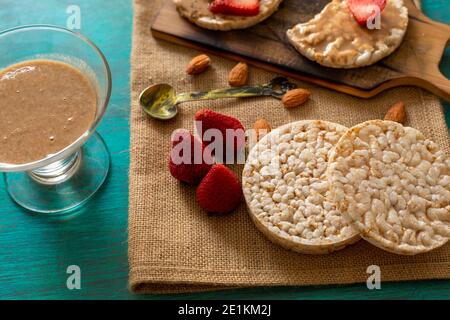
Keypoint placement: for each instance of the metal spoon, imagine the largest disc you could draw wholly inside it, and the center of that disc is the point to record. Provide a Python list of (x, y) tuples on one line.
[(160, 101)]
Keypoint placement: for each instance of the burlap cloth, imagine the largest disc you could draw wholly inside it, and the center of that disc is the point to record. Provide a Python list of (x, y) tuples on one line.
[(176, 247)]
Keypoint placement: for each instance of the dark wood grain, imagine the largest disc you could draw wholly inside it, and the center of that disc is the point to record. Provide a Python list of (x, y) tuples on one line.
[(265, 45)]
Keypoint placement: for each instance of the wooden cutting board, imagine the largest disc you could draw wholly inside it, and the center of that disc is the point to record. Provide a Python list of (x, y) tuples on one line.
[(265, 45)]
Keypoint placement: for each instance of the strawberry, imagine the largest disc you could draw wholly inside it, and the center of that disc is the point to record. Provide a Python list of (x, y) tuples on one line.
[(192, 166), (220, 190), (363, 10), (235, 7), (231, 129)]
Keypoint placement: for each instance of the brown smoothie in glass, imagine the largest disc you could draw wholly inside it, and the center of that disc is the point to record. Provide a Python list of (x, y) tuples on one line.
[(44, 107)]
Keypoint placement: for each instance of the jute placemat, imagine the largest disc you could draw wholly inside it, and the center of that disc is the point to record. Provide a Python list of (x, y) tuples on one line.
[(176, 247)]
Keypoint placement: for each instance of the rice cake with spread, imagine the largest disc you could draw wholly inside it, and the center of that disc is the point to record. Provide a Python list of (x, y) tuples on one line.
[(333, 38), (197, 11)]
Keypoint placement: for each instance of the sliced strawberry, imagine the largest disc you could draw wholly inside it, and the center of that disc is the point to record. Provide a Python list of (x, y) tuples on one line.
[(235, 7), (220, 191), (192, 166), (363, 10)]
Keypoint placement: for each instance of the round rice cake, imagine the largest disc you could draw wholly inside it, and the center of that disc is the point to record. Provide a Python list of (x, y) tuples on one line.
[(334, 39), (197, 12), (286, 189), (393, 184)]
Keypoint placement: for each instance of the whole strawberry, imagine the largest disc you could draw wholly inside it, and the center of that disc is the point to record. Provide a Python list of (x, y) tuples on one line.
[(231, 130), (220, 190), (188, 161)]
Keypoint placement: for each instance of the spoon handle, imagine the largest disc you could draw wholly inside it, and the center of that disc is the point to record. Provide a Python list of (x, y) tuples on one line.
[(241, 92)]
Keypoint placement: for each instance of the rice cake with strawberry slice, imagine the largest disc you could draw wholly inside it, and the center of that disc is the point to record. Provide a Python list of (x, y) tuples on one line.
[(339, 36), (226, 14)]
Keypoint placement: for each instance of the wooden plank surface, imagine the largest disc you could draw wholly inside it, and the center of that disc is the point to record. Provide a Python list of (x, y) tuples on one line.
[(35, 252), (267, 46)]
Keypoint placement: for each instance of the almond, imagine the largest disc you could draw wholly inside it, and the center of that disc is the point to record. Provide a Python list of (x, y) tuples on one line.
[(396, 113), (296, 97), (261, 127), (238, 75), (198, 64)]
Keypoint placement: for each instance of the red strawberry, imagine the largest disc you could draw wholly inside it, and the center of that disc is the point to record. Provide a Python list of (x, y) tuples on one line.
[(188, 162), (363, 10), (220, 191), (231, 129), (235, 7)]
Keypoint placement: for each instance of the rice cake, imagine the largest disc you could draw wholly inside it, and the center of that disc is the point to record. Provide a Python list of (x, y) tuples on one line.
[(286, 188), (198, 13), (334, 39), (393, 184)]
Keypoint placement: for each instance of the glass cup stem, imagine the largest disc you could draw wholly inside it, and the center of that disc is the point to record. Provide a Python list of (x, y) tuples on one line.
[(59, 171)]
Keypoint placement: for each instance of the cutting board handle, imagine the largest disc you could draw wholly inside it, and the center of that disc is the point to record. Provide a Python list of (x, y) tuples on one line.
[(440, 85), (424, 71)]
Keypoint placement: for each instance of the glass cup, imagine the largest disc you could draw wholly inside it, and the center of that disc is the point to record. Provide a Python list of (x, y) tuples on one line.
[(61, 182)]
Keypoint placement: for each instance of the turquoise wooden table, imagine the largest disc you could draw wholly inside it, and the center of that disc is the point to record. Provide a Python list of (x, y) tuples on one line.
[(35, 252)]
